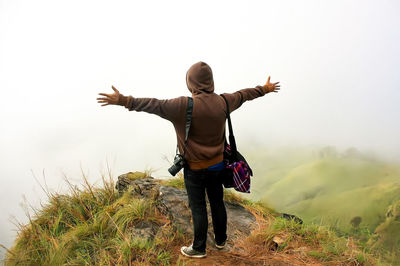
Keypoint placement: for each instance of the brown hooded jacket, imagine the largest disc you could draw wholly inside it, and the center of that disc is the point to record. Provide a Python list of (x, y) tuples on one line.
[(206, 136)]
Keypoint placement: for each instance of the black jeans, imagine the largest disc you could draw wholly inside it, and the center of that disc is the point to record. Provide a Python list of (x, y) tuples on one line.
[(197, 182)]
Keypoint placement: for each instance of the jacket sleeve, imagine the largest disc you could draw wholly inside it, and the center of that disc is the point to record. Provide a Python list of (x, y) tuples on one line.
[(170, 109), (236, 99)]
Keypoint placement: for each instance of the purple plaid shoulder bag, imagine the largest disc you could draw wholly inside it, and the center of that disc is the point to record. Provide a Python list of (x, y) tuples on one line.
[(237, 171)]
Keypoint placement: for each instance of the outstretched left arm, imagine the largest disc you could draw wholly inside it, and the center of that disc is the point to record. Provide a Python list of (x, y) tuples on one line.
[(271, 87), (236, 99)]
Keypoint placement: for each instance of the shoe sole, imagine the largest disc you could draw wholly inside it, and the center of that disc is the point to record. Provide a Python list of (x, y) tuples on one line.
[(219, 247), (193, 256)]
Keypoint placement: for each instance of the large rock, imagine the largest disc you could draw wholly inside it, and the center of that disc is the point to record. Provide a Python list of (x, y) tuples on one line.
[(143, 186), (174, 203)]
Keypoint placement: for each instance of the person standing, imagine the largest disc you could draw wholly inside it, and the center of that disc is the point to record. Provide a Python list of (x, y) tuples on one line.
[(205, 145)]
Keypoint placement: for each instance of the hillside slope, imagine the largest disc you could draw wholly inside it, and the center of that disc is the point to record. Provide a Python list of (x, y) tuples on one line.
[(147, 220), (337, 189)]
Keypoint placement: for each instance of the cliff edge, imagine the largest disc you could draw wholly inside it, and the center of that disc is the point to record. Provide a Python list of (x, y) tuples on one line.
[(144, 221)]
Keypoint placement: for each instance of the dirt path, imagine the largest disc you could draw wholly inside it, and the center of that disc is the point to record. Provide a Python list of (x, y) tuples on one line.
[(221, 257)]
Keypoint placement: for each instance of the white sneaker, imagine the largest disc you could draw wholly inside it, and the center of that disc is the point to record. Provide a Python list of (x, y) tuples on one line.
[(220, 246), (190, 252)]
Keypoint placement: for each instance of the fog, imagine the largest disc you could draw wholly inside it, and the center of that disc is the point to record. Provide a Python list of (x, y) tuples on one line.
[(337, 62)]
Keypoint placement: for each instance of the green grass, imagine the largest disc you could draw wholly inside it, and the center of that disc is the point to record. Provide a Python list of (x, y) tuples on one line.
[(139, 175), (177, 182), (91, 227), (323, 244)]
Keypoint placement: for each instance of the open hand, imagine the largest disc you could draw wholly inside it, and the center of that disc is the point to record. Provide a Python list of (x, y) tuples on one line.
[(110, 98), (271, 87)]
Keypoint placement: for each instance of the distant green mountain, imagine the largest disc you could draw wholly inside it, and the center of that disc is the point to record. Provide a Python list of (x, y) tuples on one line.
[(323, 186)]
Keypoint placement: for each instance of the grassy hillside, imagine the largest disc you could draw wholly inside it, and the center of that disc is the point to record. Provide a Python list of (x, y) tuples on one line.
[(329, 176), (271, 165), (337, 189), (90, 226), (326, 187), (93, 226), (370, 203)]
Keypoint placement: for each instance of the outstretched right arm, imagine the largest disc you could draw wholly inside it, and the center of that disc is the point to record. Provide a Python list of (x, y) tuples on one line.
[(170, 109)]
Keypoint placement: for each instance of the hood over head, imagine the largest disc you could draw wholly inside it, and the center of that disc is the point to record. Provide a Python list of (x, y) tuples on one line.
[(199, 78)]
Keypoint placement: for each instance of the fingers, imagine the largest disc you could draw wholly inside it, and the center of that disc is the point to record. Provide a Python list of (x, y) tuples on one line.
[(272, 87), (108, 97), (102, 101), (105, 94), (114, 89)]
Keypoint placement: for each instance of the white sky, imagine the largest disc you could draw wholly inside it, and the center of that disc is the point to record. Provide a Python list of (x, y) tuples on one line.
[(338, 63)]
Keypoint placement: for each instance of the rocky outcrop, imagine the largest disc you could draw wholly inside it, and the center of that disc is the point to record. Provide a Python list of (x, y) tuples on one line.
[(143, 186), (240, 220), (173, 203)]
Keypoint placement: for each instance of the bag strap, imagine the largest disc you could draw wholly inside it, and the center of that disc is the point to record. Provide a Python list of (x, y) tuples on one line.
[(232, 140), (189, 112)]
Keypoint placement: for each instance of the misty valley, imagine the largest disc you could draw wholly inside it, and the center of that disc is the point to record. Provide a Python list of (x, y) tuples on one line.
[(354, 193)]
